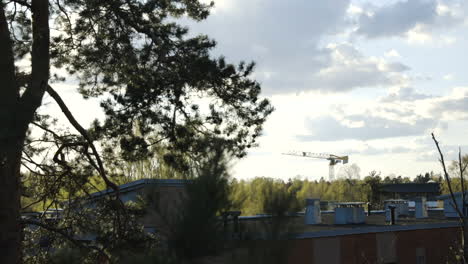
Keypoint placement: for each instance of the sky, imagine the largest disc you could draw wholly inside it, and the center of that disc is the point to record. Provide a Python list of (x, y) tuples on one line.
[(368, 79)]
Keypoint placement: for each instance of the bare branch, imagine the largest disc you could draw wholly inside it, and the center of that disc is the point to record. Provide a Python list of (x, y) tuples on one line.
[(462, 180), (46, 129), (447, 178)]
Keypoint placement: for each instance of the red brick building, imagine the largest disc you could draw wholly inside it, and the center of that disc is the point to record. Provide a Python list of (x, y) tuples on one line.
[(420, 244)]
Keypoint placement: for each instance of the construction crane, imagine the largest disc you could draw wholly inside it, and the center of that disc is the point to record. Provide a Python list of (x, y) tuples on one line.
[(334, 159)]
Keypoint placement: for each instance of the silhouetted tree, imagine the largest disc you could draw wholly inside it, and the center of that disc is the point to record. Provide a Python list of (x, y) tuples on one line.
[(198, 231), (422, 178), (373, 182)]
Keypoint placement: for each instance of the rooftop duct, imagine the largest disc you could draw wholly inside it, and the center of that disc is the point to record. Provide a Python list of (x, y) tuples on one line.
[(420, 207), (391, 214), (350, 213), (312, 213)]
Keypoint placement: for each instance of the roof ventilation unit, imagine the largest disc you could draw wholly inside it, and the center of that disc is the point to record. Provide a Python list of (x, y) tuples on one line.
[(312, 213), (350, 213), (420, 207)]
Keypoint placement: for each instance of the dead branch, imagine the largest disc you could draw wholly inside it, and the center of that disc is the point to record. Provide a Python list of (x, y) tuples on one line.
[(462, 179), (447, 178)]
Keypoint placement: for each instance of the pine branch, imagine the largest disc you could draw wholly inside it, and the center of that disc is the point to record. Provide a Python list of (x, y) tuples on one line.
[(67, 236), (84, 133)]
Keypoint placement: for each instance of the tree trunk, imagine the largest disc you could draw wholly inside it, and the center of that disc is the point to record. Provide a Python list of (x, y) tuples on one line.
[(15, 115), (10, 229), (10, 151)]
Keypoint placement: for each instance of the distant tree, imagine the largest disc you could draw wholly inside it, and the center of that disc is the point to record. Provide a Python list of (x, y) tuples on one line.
[(393, 179), (387, 180), (373, 182), (404, 179), (294, 187), (422, 178), (454, 167), (239, 194), (278, 201), (308, 190), (350, 172)]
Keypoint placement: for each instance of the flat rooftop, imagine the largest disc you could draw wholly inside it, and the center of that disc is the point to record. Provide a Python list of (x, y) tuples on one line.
[(295, 226)]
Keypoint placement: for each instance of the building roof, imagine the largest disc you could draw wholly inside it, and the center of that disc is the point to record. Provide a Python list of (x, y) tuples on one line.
[(374, 223), (128, 187), (365, 229), (411, 188), (447, 196)]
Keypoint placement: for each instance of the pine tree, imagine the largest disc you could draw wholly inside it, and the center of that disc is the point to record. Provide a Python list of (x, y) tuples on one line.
[(148, 74)]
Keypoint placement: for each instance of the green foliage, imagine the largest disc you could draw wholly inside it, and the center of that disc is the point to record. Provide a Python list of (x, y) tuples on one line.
[(261, 194), (454, 174), (277, 199), (196, 229), (67, 256)]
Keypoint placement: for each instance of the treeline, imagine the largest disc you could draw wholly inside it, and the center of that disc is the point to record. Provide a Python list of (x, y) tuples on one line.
[(255, 195)]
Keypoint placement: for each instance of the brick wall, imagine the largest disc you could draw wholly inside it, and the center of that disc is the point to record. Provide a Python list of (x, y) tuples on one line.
[(430, 246)]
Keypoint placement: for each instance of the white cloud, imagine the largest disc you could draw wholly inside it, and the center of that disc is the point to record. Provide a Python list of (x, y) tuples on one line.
[(451, 107), (416, 20), (392, 54), (396, 19), (403, 113), (448, 40), (404, 94), (349, 69), (331, 129), (442, 9), (220, 5), (354, 10), (448, 77), (289, 47), (418, 35)]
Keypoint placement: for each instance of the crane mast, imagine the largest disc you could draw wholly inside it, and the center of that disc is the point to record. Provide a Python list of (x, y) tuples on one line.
[(334, 159)]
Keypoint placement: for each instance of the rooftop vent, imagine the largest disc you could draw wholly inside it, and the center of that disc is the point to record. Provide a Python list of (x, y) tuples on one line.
[(349, 213), (312, 213), (420, 207), (391, 213)]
